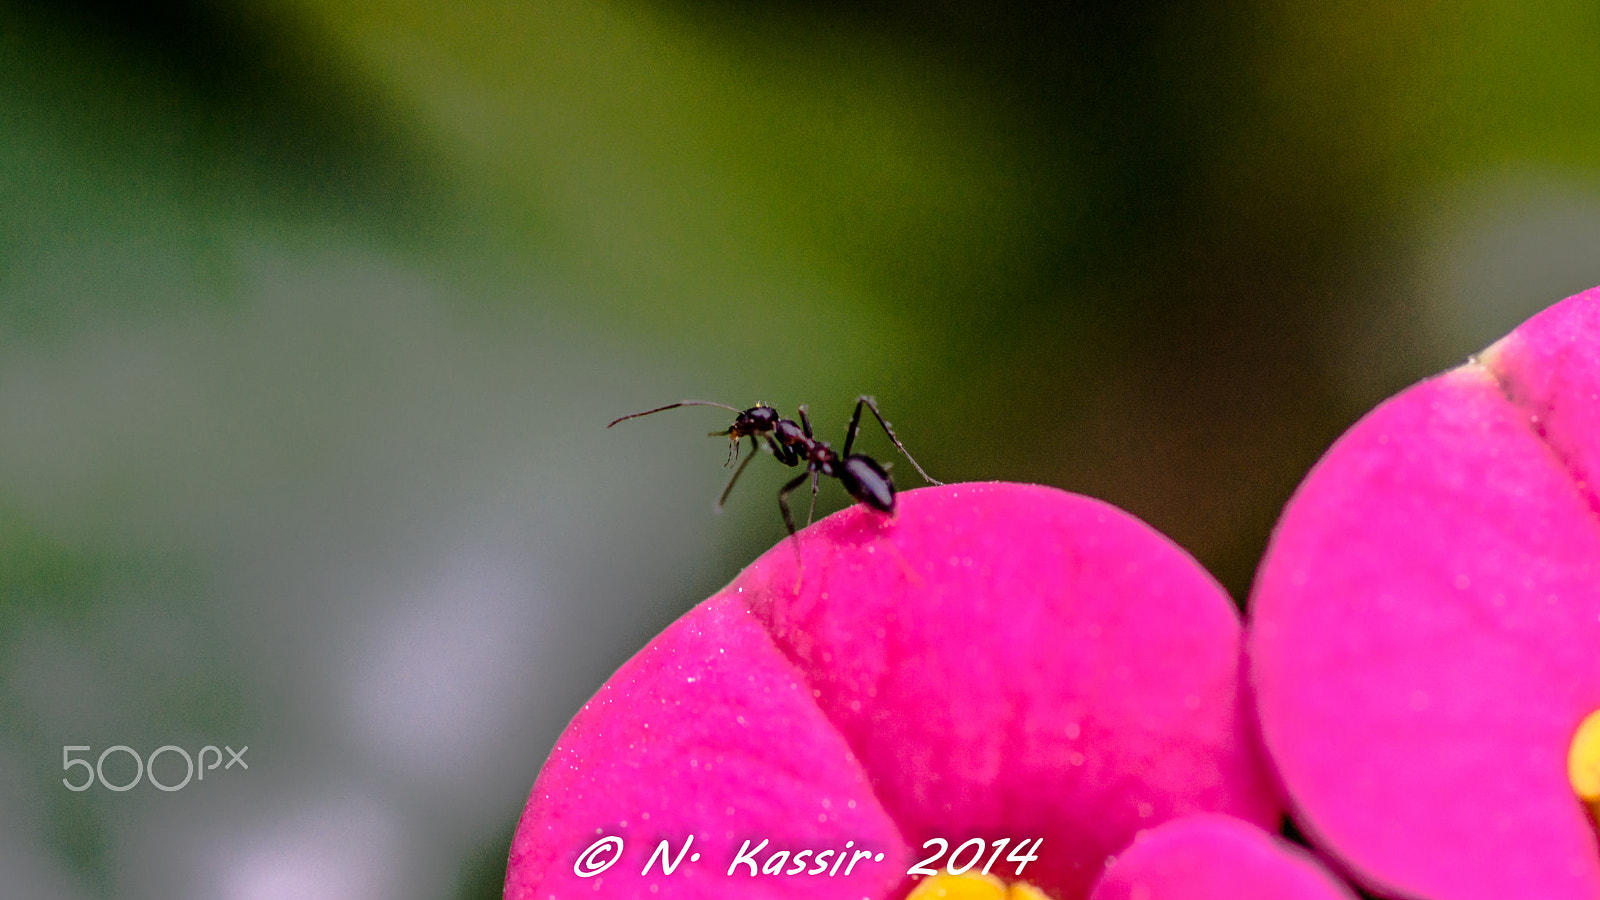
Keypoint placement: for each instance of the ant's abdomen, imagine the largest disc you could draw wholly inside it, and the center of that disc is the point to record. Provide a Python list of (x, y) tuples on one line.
[(867, 482)]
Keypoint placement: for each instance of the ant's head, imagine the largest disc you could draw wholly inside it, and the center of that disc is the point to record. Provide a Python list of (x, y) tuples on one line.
[(758, 419)]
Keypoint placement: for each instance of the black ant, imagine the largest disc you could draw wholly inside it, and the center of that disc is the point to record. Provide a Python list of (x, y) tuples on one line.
[(793, 444)]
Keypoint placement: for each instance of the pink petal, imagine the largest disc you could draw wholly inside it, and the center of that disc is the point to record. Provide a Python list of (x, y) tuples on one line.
[(1012, 661), (1426, 623), (997, 661), (1550, 367), (708, 732), (1208, 857)]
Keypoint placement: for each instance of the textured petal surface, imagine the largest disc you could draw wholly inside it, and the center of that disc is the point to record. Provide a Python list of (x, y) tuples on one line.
[(707, 732), (1012, 661), (1215, 858), (1426, 626)]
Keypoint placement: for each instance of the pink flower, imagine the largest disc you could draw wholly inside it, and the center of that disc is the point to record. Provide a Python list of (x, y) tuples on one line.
[(995, 663), (1426, 626), (1210, 857)]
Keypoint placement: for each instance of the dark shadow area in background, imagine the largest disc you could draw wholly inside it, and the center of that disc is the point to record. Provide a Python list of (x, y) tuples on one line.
[(274, 119), (1159, 338)]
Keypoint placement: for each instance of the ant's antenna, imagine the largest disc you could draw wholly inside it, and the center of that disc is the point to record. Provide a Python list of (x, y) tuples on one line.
[(672, 406)]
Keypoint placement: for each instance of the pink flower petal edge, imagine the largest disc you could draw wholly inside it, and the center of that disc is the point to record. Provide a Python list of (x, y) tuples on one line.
[(994, 661), (1425, 626), (1550, 368), (1209, 857), (707, 733)]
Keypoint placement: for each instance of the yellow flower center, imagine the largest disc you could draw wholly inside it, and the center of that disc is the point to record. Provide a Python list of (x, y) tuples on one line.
[(973, 887), (1583, 761)]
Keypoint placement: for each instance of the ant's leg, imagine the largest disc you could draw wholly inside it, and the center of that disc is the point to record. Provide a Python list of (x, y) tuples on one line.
[(815, 478), (855, 425), (736, 473), (785, 455), (805, 420), (783, 499), (733, 450)]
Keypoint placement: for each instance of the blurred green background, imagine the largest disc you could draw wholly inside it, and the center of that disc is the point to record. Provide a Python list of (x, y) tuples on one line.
[(312, 314)]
